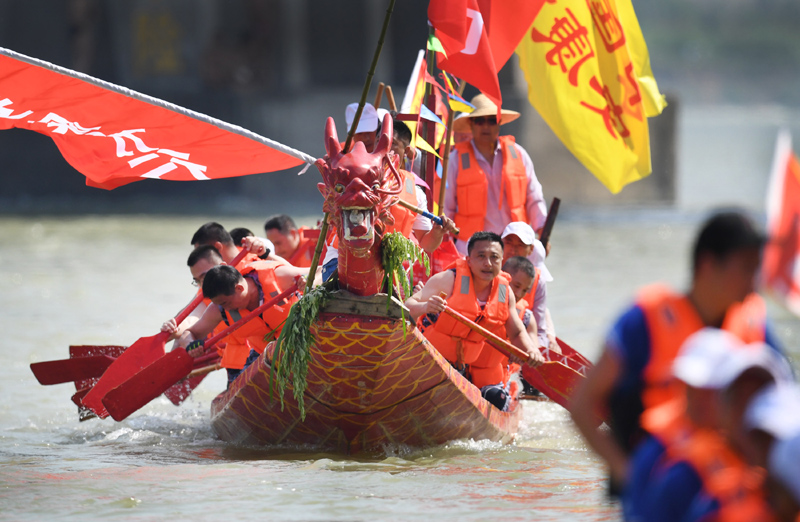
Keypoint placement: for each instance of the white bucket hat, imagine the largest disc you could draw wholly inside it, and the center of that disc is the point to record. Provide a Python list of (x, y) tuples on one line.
[(370, 118)]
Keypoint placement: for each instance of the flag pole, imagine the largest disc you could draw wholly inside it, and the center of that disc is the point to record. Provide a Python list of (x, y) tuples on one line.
[(448, 135), (364, 92), (428, 166)]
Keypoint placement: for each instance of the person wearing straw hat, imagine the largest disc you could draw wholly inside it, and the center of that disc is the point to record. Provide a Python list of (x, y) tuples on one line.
[(490, 178)]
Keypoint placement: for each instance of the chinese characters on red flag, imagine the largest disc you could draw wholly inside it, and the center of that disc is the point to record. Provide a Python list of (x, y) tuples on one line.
[(115, 136), (589, 77)]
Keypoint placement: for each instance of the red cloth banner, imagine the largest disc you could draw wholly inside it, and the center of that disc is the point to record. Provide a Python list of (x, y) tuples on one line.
[(780, 267), (116, 136)]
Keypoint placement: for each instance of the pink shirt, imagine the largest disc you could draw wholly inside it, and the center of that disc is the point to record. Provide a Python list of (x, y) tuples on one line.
[(496, 217)]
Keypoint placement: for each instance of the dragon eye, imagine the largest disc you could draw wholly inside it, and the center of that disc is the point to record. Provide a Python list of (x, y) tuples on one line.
[(339, 188), (376, 186)]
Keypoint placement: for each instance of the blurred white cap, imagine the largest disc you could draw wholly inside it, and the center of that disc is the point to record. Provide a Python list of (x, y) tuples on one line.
[(776, 410), (714, 358), (701, 356), (368, 122), (783, 464)]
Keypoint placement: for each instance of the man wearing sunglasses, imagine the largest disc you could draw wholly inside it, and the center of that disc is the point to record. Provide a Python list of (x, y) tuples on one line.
[(490, 178)]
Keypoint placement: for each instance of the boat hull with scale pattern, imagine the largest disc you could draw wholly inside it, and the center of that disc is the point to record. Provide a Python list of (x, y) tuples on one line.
[(371, 385)]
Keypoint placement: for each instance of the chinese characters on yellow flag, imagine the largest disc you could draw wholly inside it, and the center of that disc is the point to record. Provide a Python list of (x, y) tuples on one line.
[(589, 76)]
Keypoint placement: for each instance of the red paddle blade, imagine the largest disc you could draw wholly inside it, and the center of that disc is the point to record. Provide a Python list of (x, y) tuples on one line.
[(556, 381), (68, 370), (177, 393), (147, 384), (139, 355), (84, 414), (576, 358)]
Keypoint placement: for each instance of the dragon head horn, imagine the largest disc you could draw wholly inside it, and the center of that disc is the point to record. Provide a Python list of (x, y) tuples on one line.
[(385, 142), (332, 146)]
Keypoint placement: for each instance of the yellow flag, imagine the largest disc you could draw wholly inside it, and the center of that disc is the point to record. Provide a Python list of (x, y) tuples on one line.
[(589, 76)]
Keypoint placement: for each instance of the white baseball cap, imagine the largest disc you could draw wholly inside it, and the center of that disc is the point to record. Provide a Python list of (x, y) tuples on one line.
[(526, 234), (783, 464), (776, 410), (369, 121), (522, 230)]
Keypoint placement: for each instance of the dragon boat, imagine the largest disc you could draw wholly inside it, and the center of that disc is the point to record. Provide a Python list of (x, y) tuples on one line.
[(373, 380)]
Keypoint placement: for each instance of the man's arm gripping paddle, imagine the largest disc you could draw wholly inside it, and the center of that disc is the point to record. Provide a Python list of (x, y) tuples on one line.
[(139, 355), (159, 376), (560, 380)]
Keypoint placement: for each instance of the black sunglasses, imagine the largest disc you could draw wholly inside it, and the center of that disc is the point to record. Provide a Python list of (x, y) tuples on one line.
[(484, 120)]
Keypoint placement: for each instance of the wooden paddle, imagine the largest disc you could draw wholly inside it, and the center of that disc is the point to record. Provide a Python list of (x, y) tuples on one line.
[(142, 353), (559, 381), (154, 379), (436, 219)]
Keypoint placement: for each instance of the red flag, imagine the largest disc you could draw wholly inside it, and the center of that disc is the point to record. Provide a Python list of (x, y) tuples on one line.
[(447, 16), (506, 24), (116, 136), (780, 267), (472, 61)]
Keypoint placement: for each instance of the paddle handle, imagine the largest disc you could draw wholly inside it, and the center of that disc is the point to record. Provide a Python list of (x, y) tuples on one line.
[(436, 219), (501, 344), (547, 229), (390, 97), (199, 297), (204, 370), (252, 315), (379, 95)]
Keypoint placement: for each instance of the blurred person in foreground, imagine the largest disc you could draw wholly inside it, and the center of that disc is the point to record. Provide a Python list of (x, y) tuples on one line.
[(692, 467), (634, 371), (771, 435)]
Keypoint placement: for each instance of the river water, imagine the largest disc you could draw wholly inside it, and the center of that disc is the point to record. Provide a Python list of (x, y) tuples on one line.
[(111, 280)]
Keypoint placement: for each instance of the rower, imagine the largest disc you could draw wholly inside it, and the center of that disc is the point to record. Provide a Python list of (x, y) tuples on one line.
[(214, 234), (524, 277), (478, 289), (239, 233), (633, 372), (690, 468), (519, 239), (295, 245), (234, 295)]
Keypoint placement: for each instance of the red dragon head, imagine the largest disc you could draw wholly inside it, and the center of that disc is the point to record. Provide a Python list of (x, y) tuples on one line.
[(358, 188)]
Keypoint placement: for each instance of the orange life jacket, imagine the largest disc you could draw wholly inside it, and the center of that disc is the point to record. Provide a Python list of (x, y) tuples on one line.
[(304, 253), (472, 187), (456, 342), (530, 297), (248, 259), (670, 319), (724, 475), (404, 218), (253, 334)]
